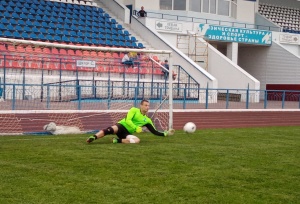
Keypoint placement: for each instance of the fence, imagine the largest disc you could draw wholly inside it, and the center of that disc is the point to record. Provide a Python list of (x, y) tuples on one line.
[(77, 95)]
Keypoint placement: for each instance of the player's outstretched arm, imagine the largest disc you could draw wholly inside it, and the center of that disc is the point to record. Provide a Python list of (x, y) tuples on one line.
[(158, 133)]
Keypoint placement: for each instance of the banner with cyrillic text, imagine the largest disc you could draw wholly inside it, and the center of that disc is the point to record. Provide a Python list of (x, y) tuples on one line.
[(232, 34)]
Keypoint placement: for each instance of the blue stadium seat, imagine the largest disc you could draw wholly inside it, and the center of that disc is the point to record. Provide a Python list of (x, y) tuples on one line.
[(57, 38), (81, 28), (108, 31), (5, 21), (102, 36), (51, 31), (114, 37), (81, 22), (38, 18), (95, 41), (4, 3), (33, 36), (133, 39), (119, 27), (12, 22), (108, 37), (41, 7), (23, 16), (6, 14), (74, 22), (126, 33), (65, 39), (80, 34), (27, 6), (45, 18), (58, 32), (49, 37), (120, 32), (140, 45), (35, 30), (79, 40), (72, 39), (1, 34), (11, 3), (88, 13), (94, 29), (32, 11), (25, 11), (115, 43), (94, 35), (17, 35), (52, 25), (73, 27), (45, 25), (10, 27), (27, 29), (48, 8), (37, 24), (9, 9), (128, 44), (122, 44), (48, 13), (101, 42), (66, 33), (54, 14), (29, 23), (19, 28), (134, 45), (127, 38), (19, 5), (30, 17), (73, 33), (17, 10), (100, 10), (24, 35), (43, 30), (2, 26), (121, 38), (87, 41), (108, 43), (113, 21), (114, 32), (60, 26), (60, 20), (66, 27)]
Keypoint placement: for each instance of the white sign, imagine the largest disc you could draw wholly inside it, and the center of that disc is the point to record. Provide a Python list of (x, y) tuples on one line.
[(168, 26), (290, 39), (85, 63)]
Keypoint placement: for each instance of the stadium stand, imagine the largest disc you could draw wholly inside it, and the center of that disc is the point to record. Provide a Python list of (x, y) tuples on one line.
[(60, 21), (286, 17)]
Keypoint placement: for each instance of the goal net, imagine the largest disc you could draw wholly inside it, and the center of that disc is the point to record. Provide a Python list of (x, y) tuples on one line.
[(81, 87)]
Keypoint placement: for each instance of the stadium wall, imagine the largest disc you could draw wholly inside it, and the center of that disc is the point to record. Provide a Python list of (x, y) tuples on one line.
[(270, 65), (158, 42), (13, 124)]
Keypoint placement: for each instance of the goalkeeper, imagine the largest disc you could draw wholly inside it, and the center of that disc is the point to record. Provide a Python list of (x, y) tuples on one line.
[(135, 119)]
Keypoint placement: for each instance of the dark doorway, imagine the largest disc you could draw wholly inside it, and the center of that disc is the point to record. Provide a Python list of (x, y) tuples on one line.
[(130, 8)]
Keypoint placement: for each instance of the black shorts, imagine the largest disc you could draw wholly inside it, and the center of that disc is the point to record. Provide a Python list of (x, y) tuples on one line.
[(122, 131)]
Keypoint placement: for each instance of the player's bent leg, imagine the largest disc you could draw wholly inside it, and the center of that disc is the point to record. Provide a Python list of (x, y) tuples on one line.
[(107, 131), (131, 139)]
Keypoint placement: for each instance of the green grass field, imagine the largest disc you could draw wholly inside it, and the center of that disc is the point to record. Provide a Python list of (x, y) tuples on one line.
[(255, 165)]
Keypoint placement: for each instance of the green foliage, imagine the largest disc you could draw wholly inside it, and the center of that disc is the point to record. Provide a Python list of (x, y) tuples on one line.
[(255, 165)]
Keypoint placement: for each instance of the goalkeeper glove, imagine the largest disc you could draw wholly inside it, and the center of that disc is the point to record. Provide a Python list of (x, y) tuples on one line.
[(139, 129), (169, 132)]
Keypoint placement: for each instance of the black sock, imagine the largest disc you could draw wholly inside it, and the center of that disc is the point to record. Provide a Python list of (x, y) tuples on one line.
[(95, 137), (119, 140)]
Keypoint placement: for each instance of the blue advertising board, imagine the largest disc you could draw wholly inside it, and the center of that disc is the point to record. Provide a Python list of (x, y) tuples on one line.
[(232, 34)]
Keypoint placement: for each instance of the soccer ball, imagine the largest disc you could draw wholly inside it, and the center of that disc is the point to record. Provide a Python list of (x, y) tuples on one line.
[(189, 127)]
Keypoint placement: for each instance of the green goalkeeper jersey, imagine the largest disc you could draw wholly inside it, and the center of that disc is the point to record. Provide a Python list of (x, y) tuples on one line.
[(135, 118)]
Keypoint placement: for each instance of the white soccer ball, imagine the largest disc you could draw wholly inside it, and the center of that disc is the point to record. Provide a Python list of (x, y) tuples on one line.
[(189, 127)]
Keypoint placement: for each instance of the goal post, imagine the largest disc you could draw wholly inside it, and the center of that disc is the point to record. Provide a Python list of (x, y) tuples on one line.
[(43, 85)]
